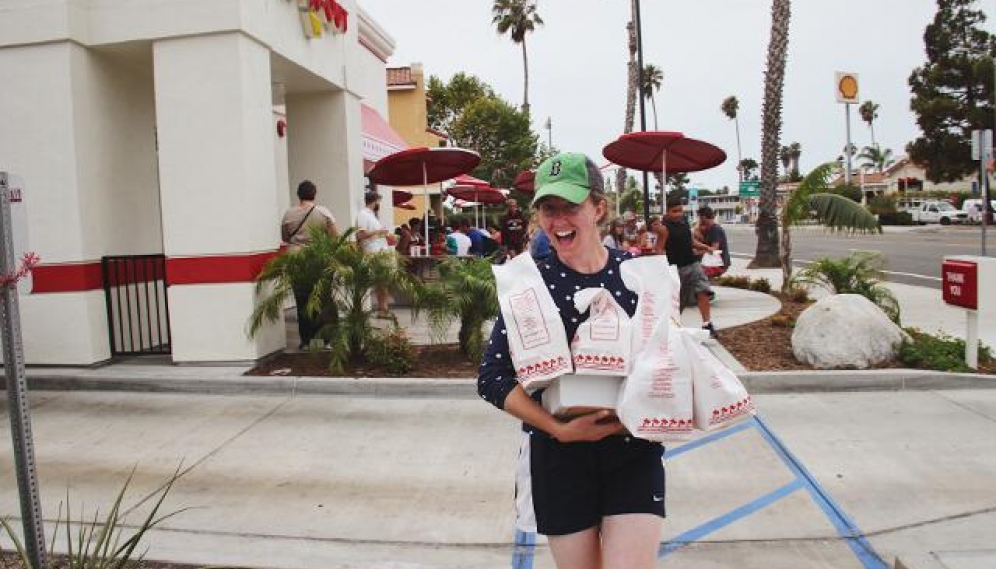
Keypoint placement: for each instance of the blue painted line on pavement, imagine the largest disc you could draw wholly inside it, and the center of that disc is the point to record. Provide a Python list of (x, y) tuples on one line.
[(525, 548), (674, 452), (845, 527), (697, 533)]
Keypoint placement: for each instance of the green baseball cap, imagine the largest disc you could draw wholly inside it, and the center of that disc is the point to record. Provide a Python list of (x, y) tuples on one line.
[(568, 175)]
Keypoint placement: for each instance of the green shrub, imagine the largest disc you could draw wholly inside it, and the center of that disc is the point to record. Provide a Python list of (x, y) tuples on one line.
[(896, 218), (882, 205), (392, 350), (850, 192), (941, 352), (858, 273), (760, 284)]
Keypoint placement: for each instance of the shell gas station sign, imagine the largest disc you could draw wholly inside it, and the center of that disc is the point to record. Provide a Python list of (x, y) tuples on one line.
[(846, 87)]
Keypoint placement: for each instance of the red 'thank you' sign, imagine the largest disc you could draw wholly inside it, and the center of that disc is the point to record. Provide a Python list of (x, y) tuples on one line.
[(960, 283)]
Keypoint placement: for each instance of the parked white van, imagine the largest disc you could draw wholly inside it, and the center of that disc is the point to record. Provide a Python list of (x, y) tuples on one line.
[(973, 209)]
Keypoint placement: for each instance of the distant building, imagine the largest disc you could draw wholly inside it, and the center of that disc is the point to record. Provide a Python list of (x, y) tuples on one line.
[(408, 110)]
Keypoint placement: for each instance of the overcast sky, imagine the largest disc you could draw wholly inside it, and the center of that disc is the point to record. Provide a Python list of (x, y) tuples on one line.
[(708, 50)]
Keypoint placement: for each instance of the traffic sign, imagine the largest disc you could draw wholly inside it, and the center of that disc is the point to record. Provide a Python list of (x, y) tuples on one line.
[(750, 189)]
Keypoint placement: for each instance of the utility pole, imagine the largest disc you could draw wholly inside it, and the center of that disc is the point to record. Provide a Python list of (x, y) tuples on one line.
[(643, 106)]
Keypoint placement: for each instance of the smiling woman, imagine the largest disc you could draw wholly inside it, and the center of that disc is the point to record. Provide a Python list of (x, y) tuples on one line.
[(611, 514)]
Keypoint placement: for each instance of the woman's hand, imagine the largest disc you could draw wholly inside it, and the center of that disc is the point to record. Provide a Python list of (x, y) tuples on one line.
[(590, 427)]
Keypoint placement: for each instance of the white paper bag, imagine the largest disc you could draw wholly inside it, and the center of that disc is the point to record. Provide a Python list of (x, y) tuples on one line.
[(601, 345), (657, 285), (537, 341), (655, 400), (720, 398), (714, 259)]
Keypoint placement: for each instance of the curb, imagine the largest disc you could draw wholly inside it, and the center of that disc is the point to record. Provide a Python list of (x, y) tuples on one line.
[(755, 382)]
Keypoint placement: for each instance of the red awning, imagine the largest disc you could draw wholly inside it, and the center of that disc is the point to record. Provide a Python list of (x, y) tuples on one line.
[(379, 138)]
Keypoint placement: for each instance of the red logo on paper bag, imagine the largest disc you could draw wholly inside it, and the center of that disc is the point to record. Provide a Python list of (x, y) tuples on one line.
[(528, 319)]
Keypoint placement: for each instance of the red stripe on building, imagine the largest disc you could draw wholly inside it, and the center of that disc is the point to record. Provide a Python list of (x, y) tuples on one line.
[(216, 269), (81, 277), (72, 277)]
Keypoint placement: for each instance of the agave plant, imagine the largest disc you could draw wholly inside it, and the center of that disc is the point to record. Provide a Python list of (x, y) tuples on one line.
[(100, 544), (341, 279), (812, 199), (858, 273), (465, 291)]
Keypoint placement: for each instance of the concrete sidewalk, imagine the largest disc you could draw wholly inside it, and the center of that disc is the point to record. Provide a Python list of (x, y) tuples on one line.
[(845, 480), (845, 469)]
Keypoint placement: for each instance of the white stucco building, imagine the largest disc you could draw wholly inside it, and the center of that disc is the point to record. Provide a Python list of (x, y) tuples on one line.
[(150, 127)]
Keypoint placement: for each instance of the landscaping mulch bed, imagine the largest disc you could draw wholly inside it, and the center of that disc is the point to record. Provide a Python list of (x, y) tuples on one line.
[(433, 361), (765, 345)]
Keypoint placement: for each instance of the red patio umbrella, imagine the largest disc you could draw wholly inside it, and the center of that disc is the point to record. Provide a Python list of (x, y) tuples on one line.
[(525, 181), (661, 151), (400, 197), (487, 195), (425, 165), (477, 194), (405, 205), (468, 180)]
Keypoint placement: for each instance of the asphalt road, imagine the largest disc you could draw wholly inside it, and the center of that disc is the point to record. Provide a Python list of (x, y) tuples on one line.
[(913, 255)]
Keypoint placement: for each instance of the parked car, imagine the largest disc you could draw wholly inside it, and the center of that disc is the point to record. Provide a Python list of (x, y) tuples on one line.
[(973, 209), (938, 212)]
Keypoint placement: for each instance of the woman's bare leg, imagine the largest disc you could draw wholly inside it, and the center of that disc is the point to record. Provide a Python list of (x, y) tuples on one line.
[(581, 550), (631, 541)]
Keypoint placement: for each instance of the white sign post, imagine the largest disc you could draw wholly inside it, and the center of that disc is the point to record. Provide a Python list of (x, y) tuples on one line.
[(982, 150), (846, 90), (15, 262)]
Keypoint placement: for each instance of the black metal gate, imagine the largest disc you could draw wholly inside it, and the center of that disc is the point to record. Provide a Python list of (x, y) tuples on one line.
[(137, 311)]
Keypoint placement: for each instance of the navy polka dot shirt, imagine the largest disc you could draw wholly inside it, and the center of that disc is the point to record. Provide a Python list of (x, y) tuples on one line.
[(496, 376)]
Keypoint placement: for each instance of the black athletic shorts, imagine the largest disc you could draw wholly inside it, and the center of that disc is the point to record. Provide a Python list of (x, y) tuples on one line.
[(575, 485)]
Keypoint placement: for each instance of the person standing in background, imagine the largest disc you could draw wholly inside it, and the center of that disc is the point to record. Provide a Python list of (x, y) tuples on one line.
[(708, 231), (615, 236), (676, 240), (513, 229), (371, 235), (296, 228)]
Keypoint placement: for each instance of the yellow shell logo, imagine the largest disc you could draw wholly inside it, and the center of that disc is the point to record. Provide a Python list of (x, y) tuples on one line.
[(848, 87)]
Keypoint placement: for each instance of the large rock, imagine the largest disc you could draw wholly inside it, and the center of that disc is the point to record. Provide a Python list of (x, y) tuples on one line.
[(845, 331)]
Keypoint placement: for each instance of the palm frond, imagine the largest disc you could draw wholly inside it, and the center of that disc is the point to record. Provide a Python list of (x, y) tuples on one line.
[(840, 214)]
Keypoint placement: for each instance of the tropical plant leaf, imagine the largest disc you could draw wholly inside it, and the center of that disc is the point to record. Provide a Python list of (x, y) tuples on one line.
[(840, 214)]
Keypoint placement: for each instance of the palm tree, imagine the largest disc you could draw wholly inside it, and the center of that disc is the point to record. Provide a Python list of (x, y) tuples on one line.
[(730, 107), (785, 157), (517, 18), (766, 254), (653, 77), (869, 112), (465, 291), (836, 212), (875, 157), (343, 279), (631, 84), (748, 167), (795, 152)]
